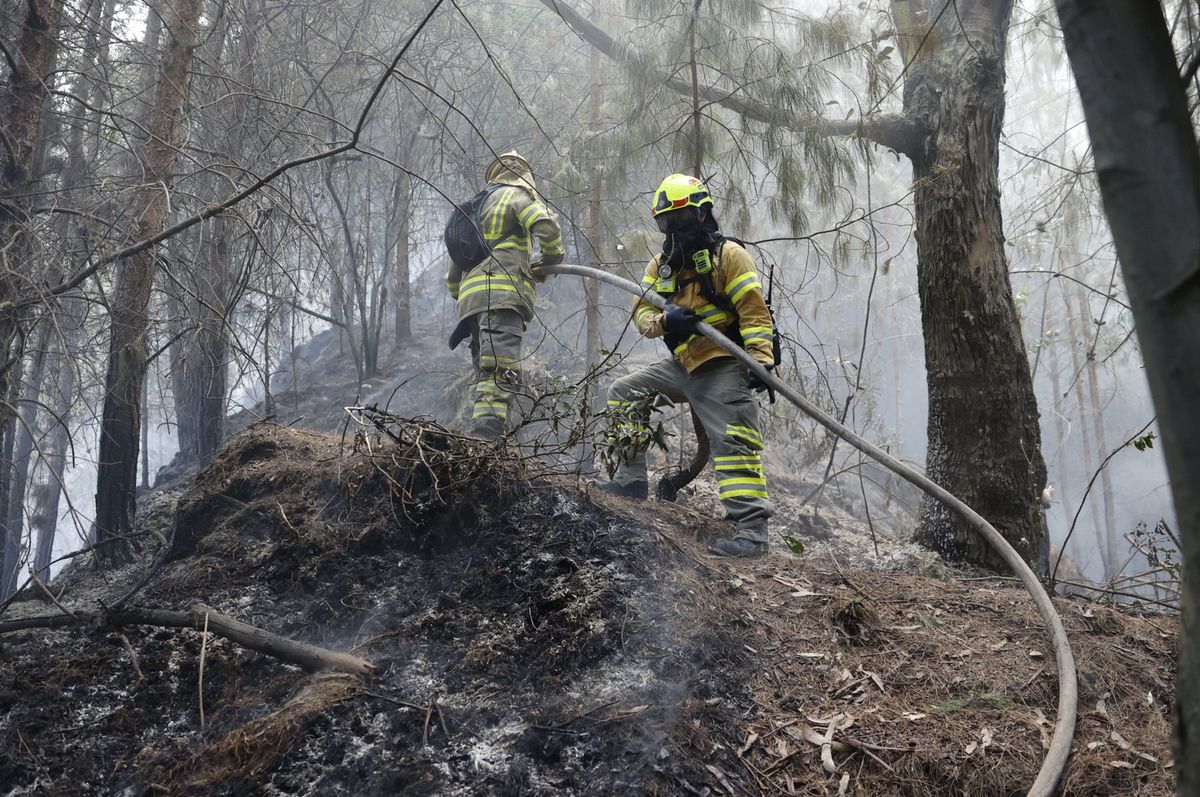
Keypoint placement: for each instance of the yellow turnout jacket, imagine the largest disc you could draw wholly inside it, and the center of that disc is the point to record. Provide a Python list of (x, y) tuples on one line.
[(511, 217), (735, 278)]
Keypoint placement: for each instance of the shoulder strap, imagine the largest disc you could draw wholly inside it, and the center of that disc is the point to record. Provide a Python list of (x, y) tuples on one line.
[(709, 287)]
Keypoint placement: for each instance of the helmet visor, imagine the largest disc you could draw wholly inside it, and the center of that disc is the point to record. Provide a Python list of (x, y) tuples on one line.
[(676, 220)]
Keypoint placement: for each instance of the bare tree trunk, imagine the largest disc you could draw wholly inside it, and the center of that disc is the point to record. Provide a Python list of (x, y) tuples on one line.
[(117, 471), (1066, 487), (145, 483), (44, 522), (1102, 445), (397, 238), (984, 438), (591, 288), (1090, 455), (22, 105), (357, 296), (22, 461), (1149, 171), (187, 427), (10, 549), (268, 396), (209, 383), (697, 129)]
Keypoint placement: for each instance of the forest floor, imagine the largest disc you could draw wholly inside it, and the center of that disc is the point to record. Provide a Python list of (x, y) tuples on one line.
[(531, 636)]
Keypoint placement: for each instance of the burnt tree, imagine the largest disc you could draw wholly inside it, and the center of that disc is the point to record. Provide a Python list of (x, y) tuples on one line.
[(117, 469), (984, 438), (1148, 166), (22, 103)]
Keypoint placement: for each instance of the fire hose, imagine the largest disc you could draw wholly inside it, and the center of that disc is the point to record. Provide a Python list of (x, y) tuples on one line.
[(1059, 750)]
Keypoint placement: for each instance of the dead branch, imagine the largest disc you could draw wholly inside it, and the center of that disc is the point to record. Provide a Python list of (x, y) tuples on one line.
[(310, 657), (10, 305)]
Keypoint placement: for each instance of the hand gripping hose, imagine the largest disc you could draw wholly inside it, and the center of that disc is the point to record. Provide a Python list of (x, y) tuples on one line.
[(1064, 727)]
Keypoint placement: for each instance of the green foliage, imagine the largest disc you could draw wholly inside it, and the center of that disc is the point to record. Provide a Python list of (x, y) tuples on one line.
[(794, 545), (775, 59), (1144, 442), (630, 429)]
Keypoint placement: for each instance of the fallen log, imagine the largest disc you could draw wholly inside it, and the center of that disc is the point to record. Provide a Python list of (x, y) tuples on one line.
[(310, 657)]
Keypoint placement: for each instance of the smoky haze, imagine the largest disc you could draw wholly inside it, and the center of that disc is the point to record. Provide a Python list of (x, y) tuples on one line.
[(314, 308)]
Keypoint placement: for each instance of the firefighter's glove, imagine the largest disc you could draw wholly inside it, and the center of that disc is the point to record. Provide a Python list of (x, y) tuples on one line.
[(679, 322), (757, 385), (462, 331)]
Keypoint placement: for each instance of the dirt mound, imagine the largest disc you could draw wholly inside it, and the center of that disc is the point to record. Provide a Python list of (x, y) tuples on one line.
[(528, 638), (524, 641)]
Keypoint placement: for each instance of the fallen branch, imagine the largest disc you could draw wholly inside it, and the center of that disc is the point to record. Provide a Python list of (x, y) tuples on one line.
[(310, 657)]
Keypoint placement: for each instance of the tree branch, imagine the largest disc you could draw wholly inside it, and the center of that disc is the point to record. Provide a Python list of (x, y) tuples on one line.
[(81, 276), (900, 132), (310, 657)]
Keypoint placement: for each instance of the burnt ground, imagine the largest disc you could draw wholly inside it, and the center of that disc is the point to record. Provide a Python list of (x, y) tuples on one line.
[(530, 638)]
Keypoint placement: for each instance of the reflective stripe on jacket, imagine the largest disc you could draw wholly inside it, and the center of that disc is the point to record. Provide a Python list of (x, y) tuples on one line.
[(734, 276), (509, 220)]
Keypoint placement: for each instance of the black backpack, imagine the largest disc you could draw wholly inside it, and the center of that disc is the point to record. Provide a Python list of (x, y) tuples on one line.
[(464, 231)]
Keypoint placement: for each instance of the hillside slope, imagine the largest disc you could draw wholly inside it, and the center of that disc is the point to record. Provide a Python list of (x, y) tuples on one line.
[(530, 638)]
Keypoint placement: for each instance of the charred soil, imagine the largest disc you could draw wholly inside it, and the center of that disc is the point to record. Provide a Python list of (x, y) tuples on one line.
[(530, 638)]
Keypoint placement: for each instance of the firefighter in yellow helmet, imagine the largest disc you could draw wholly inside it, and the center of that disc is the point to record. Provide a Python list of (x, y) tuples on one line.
[(704, 277), (495, 295)]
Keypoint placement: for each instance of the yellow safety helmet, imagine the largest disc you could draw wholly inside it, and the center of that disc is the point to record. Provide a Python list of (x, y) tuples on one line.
[(510, 168), (679, 191)]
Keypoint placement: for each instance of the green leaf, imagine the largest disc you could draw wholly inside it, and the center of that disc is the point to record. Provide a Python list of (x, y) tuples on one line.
[(794, 545), (1144, 442)]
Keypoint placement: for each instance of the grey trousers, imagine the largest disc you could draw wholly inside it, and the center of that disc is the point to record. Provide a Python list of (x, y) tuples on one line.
[(496, 353), (718, 393)]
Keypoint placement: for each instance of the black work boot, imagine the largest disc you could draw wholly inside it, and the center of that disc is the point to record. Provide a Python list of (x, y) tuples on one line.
[(738, 546), (640, 490)]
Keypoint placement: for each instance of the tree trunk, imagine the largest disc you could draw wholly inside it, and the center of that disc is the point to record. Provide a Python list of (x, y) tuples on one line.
[(1109, 541), (21, 108), (1149, 172), (9, 543), (591, 288), (145, 458), (44, 522), (1091, 455), (984, 439), (212, 344), (117, 469), (355, 298), (187, 427), (21, 464), (397, 237), (1066, 491)]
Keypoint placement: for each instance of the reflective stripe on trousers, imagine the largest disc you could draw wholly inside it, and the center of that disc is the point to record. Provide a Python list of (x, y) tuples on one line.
[(718, 393), (496, 350)]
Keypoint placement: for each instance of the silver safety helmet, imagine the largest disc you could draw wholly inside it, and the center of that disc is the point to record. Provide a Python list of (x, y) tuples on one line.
[(512, 169)]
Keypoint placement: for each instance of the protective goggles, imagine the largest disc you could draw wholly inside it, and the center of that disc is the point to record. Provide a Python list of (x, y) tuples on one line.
[(680, 219)]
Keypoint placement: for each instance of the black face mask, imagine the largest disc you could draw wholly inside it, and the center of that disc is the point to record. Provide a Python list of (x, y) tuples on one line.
[(685, 234)]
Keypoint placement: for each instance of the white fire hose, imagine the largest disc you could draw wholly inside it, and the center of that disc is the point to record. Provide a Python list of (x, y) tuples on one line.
[(1064, 727)]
